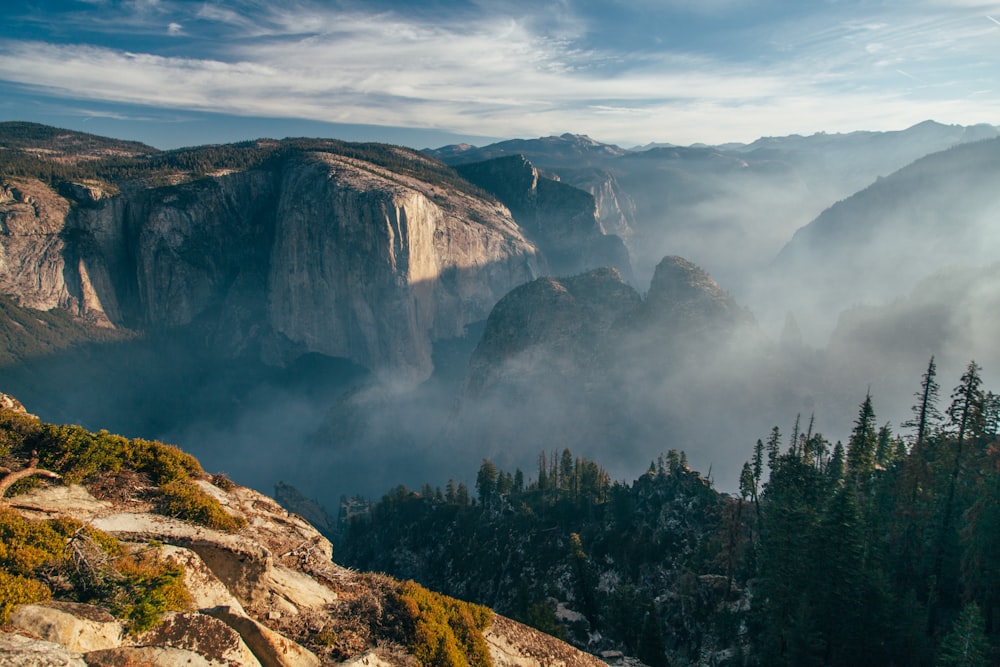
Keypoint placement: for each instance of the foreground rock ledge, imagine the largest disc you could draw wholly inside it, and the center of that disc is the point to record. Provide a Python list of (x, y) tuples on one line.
[(260, 597)]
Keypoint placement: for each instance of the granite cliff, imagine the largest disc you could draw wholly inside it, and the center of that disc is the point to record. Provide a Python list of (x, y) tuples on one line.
[(562, 220), (274, 249)]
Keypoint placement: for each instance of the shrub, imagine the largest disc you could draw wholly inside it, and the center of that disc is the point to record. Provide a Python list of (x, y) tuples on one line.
[(223, 482), (184, 500), (445, 632), (16, 590), (15, 428), (149, 587), (26, 546), (87, 565), (163, 463), (77, 454)]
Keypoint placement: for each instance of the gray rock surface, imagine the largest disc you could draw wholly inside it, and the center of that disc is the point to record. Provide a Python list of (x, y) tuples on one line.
[(320, 253), (78, 627), (20, 651)]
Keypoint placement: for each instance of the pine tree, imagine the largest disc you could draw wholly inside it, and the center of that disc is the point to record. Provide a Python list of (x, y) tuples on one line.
[(926, 416), (966, 645), (861, 446), (758, 463), (566, 471), (486, 482), (966, 409), (773, 448), (835, 469), (748, 488)]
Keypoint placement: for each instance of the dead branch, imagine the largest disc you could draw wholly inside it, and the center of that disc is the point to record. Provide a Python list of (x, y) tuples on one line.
[(31, 470)]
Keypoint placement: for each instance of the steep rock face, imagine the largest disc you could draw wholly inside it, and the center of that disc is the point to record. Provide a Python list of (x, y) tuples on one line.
[(548, 328), (615, 207), (35, 267), (561, 219), (368, 265), (317, 252)]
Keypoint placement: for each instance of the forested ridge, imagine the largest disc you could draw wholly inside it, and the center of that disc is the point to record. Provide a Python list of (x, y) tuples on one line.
[(881, 550), (56, 156)]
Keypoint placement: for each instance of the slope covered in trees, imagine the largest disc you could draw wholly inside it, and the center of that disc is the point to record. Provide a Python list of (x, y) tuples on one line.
[(883, 550)]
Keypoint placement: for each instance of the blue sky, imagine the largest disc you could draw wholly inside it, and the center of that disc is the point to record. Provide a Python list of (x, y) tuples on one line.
[(423, 74)]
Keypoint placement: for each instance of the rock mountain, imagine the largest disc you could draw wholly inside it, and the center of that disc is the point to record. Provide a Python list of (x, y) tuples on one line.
[(270, 249)]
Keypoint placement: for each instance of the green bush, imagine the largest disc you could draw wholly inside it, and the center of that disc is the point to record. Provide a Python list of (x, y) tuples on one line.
[(149, 587), (184, 500), (26, 546), (16, 590), (445, 632), (163, 463), (80, 455), (86, 565), (77, 454)]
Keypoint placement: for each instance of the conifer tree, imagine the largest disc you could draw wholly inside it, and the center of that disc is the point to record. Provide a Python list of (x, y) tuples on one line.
[(566, 471), (861, 446), (966, 645), (773, 448), (758, 463), (486, 482), (926, 416), (835, 469)]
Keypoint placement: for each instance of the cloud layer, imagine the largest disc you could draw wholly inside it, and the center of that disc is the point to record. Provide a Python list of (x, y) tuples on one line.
[(677, 71)]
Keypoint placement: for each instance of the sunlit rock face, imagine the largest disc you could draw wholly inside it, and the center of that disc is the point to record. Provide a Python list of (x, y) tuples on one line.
[(372, 266), (315, 253), (561, 219)]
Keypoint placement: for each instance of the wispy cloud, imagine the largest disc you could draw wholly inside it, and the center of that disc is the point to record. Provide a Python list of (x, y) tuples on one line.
[(515, 74)]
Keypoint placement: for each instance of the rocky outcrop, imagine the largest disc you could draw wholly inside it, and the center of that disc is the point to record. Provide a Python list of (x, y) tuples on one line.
[(269, 595), (549, 328), (561, 219), (372, 266), (315, 252), (584, 363)]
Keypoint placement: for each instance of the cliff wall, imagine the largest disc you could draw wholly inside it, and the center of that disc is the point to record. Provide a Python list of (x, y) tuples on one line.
[(317, 252)]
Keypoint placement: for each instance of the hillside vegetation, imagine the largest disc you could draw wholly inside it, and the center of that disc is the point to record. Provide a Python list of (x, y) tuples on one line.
[(53, 155), (884, 550)]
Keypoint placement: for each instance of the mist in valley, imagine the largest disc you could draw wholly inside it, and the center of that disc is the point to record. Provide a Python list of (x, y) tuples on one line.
[(878, 284)]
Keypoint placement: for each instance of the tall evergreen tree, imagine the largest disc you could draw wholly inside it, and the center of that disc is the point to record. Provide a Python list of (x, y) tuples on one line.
[(862, 444), (773, 448), (966, 645), (486, 482), (966, 412), (926, 415)]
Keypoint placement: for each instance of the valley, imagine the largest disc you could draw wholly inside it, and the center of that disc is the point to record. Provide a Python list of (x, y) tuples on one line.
[(359, 320)]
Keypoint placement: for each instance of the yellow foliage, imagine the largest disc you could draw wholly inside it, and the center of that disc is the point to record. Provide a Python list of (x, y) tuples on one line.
[(138, 588), (16, 590), (446, 632), (163, 463), (26, 545), (184, 500)]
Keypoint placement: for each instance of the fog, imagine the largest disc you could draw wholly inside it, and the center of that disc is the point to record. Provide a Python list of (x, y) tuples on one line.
[(876, 284)]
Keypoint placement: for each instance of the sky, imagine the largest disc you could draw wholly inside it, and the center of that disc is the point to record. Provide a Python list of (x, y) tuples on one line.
[(423, 74)]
